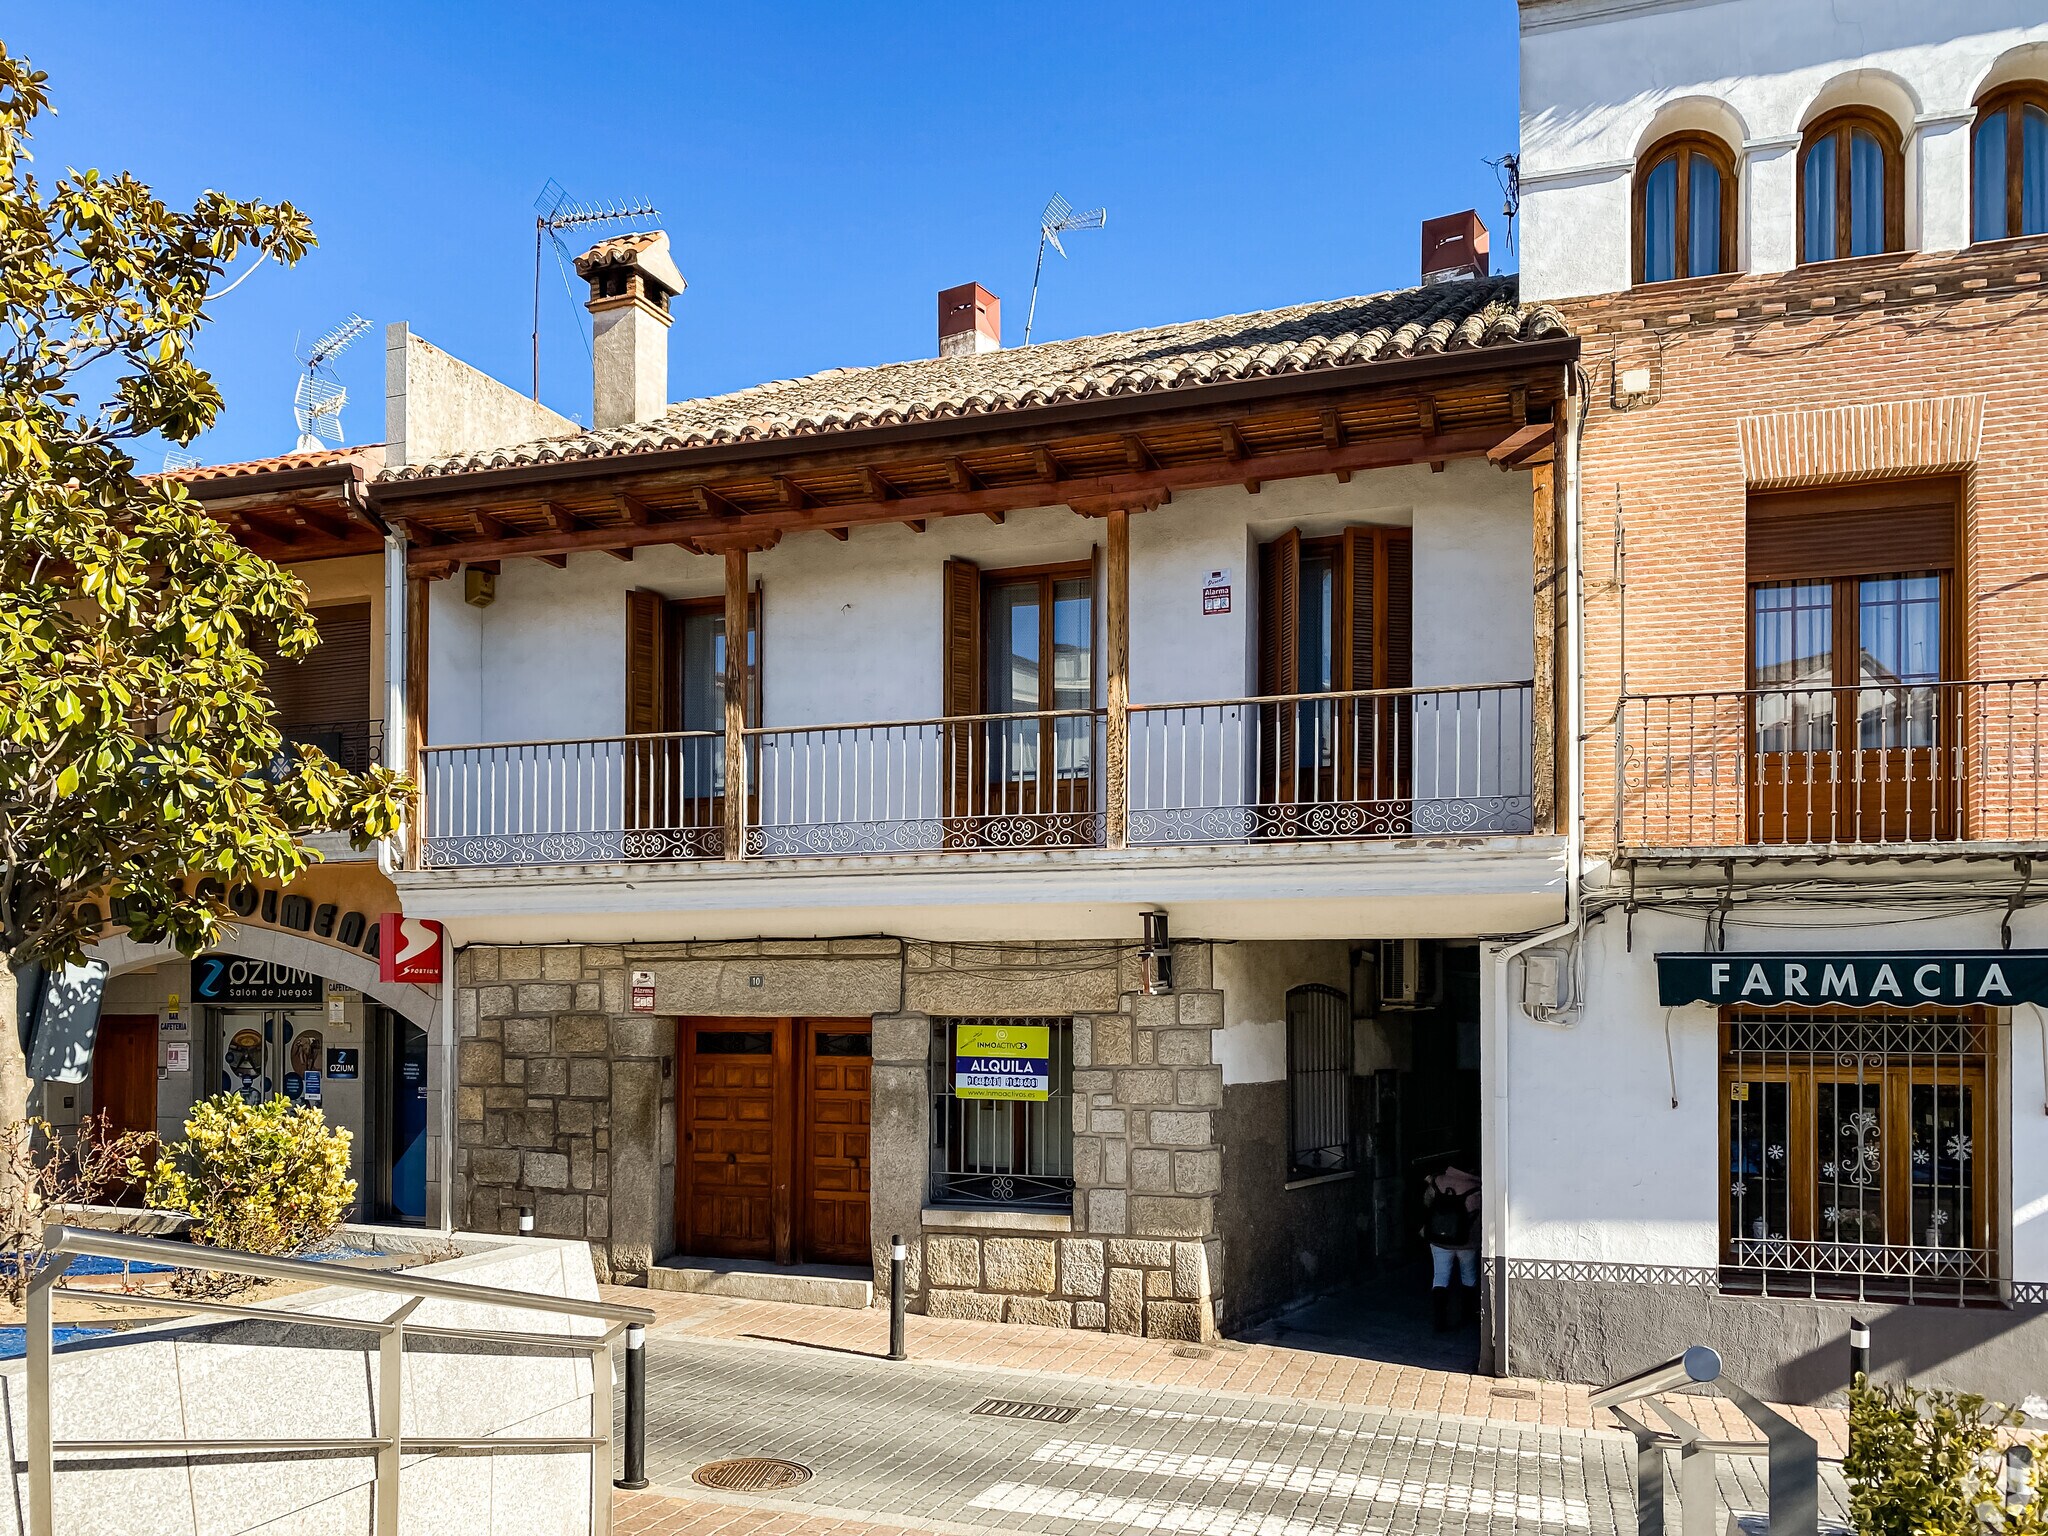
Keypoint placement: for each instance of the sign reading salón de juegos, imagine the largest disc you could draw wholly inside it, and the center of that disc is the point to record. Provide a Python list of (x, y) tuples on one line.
[(1953, 978)]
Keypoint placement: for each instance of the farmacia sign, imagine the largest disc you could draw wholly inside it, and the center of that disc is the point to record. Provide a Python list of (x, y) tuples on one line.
[(1956, 978)]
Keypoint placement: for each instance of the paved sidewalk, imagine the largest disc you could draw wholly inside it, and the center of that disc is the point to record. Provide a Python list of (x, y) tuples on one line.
[(1256, 1370), (1224, 1440)]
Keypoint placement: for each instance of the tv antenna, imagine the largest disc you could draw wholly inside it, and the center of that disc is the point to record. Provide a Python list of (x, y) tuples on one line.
[(553, 212), (320, 396), (176, 459), (1058, 219)]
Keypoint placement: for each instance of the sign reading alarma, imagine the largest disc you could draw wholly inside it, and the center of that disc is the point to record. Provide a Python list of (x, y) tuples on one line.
[(409, 949), (1216, 592), (1002, 1061), (643, 991)]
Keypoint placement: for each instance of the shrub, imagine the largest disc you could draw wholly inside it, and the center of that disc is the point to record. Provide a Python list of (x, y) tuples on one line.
[(1934, 1463), (41, 1167), (264, 1178)]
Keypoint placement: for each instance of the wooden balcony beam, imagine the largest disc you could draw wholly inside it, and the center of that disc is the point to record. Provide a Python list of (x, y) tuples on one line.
[(1358, 454)]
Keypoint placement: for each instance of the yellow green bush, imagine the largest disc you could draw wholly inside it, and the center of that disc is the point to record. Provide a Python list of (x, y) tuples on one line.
[(263, 1178), (1935, 1463)]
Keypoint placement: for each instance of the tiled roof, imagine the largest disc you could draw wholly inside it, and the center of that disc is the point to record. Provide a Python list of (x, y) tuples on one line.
[(1413, 322), (369, 455), (619, 248)]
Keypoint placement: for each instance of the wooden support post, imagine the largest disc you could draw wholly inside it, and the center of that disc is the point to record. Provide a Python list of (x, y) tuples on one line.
[(415, 724), (735, 703), (1543, 742), (1117, 728)]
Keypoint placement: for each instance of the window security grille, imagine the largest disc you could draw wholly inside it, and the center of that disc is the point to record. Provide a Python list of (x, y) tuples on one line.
[(1318, 1082), (1859, 1155), (1008, 1152)]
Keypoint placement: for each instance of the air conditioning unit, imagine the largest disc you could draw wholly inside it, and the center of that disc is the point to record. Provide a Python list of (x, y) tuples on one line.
[(1410, 974)]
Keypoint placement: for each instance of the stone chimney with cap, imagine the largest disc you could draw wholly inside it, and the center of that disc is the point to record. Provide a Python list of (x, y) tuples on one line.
[(632, 278), (970, 321), (1454, 247)]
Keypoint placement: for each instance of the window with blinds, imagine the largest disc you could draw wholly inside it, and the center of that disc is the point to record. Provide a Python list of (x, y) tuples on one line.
[(323, 698)]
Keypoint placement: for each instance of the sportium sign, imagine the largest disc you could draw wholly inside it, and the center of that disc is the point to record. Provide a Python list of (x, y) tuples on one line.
[(1954, 978), (1002, 1061)]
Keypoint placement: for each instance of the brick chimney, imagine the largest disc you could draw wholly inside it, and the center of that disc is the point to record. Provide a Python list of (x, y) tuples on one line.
[(970, 320), (1453, 247), (632, 278)]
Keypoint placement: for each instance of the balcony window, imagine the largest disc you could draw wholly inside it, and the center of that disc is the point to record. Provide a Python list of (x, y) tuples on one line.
[(2009, 165), (1844, 632), (323, 698), (1857, 1153), (1685, 209)]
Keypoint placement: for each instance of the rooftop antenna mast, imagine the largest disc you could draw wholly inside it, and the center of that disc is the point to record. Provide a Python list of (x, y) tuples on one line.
[(318, 401), (1058, 219), (553, 212)]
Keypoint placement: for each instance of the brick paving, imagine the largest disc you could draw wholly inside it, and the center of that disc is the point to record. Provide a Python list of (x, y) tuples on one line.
[(1225, 1440)]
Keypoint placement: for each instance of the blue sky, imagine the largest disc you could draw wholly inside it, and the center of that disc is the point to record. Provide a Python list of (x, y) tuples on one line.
[(823, 170)]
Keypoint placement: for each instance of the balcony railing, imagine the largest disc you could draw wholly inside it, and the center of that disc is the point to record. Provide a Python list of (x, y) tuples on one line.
[(354, 744), (1902, 764), (1389, 764), (1414, 762)]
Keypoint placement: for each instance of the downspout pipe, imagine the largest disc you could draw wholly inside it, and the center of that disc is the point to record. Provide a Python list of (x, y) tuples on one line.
[(1498, 1193)]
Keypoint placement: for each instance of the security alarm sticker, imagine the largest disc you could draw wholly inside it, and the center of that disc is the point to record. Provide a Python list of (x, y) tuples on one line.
[(1002, 1061), (643, 991), (1216, 592)]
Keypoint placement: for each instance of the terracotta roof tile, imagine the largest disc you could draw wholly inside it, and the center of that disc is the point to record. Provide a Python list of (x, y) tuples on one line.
[(1413, 322), (369, 455)]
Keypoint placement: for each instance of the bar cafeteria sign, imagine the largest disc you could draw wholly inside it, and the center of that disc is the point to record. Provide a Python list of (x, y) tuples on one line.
[(1002, 1061), (1993, 978)]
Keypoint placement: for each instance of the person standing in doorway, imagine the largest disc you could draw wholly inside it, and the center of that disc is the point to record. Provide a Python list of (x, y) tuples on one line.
[(1450, 1223)]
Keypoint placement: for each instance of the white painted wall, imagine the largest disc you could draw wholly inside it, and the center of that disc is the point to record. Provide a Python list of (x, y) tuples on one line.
[(851, 631), (1600, 1166), (1601, 80), (1255, 979)]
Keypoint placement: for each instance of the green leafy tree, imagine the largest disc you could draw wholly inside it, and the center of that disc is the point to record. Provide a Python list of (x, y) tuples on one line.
[(140, 760), (1933, 1463)]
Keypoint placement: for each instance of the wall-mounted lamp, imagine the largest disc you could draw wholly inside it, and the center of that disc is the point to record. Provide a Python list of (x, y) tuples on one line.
[(1157, 954)]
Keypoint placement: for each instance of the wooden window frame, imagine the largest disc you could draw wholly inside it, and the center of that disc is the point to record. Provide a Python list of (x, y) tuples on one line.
[(1684, 146), (2012, 100), (675, 611), (1048, 576), (1840, 125), (1897, 1077)]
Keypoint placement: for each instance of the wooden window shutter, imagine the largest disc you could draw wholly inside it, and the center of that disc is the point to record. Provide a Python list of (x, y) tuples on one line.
[(330, 684), (1397, 612), (1280, 614), (648, 707), (1860, 531), (962, 621), (1359, 663)]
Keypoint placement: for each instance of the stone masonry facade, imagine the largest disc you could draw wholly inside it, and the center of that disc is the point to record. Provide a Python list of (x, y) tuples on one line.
[(566, 1103)]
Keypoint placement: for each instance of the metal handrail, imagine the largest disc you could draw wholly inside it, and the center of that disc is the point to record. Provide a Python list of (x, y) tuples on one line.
[(1794, 1471), (1338, 693), (1089, 713), (62, 1244), (1869, 685)]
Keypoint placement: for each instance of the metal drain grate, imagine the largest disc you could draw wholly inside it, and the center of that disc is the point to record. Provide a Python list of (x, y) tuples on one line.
[(1038, 1413), (752, 1474)]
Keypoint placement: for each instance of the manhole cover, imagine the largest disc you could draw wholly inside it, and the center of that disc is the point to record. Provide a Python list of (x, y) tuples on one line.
[(752, 1474), (1038, 1413)]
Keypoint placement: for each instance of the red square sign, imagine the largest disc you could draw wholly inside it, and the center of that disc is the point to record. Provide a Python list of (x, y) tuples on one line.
[(408, 949)]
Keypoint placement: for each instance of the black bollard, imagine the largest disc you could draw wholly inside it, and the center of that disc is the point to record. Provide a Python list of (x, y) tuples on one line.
[(897, 1254), (636, 1409), (1859, 1350), (526, 1221)]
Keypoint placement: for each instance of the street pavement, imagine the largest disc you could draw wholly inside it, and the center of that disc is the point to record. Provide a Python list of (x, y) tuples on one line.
[(1151, 1447)]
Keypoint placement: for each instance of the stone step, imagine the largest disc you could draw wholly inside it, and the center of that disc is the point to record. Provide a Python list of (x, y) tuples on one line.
[(812, 1285)]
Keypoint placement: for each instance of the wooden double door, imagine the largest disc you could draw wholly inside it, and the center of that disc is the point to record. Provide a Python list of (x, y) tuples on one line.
[(772, 1140)]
